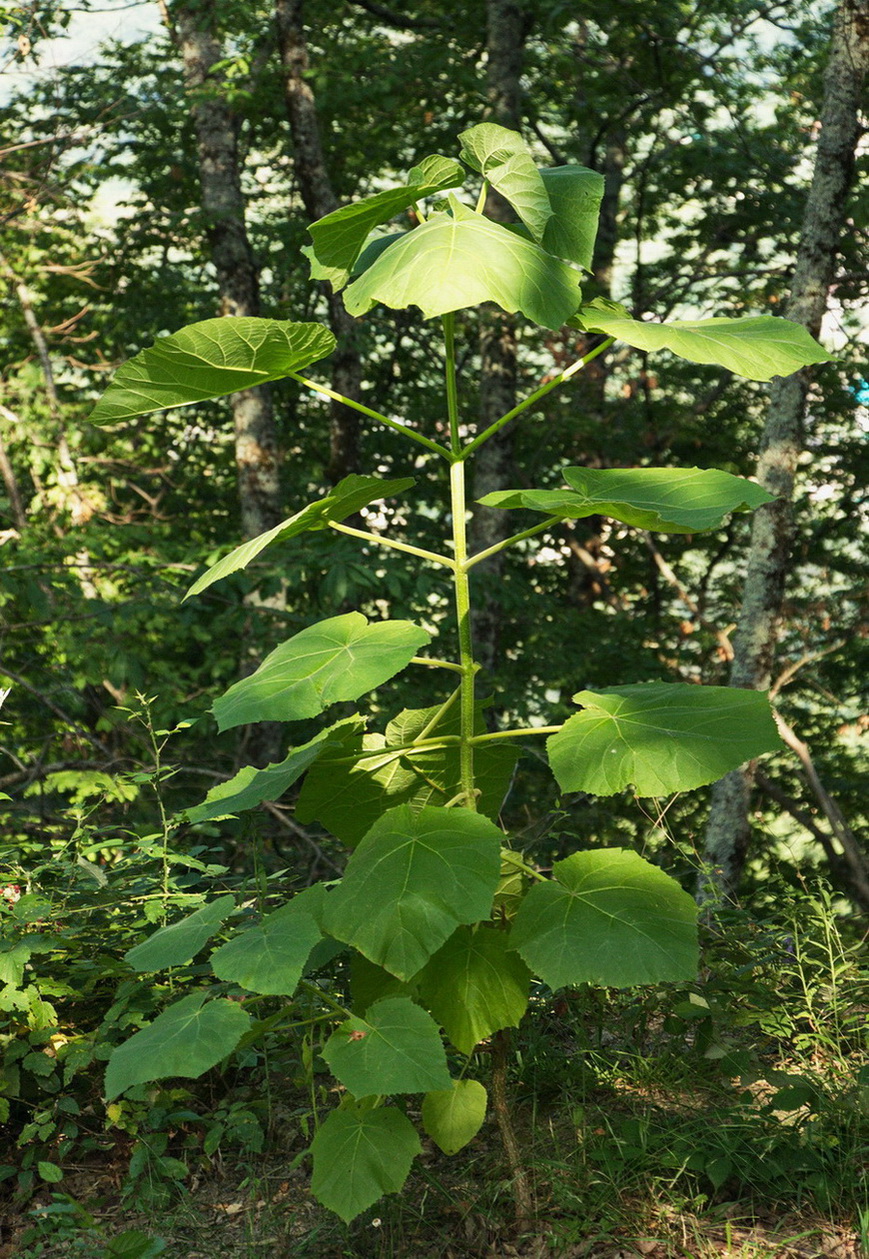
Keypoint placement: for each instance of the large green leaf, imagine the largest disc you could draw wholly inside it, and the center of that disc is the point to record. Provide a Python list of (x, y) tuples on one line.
[(460, 260), (395, 1048), (475, 985), (414, 878), (180, 941), (187, 1039), (660, 737), (348, 796), (454, 1116), (759, 347), (270, 958), (609, 918), (359, 1155), (671, 500), (337, 659), (502, 157), (575, 195), (210, 359), (338, 239), (346, 498)]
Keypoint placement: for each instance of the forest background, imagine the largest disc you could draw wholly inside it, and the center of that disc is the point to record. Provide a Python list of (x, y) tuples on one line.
[(171, 178)]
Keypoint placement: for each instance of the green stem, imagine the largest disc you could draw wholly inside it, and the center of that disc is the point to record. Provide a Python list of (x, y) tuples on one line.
[(481, 200), (449, 327), (517, 537), (373, 415), (436, 664), (440, 714), (382, 540), (536, 396), (515, 734), (463, 620)]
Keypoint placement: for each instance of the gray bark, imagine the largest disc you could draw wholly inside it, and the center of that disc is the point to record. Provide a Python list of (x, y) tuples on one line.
[(231, 253), (728, 833), (319, 199), (505, 40)]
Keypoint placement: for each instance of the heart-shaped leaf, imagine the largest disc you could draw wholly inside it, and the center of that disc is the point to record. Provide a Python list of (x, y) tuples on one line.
[(670, 500), (609, 918), (359, 1155), (575, 195), (475, 985), (502, 157), (454, 1116), (210, 359), (661, 737), (395, 1048), (338, 659), (270, 958), (414, 878), (180, 941)]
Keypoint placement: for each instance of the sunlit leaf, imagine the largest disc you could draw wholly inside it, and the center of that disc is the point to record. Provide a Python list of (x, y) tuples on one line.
[(180, 941), (210, 359), (345, 499), (454, 1116), (610, 918), (659, 737), (337, 659), (359, 1155), (502, 157), (395, 1048), (575, 195), (670, 500)]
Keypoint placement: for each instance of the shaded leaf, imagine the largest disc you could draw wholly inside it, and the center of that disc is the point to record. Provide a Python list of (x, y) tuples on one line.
[(270, 958), (210, 359), (609, 918), (359, 1155), (395, 1048), (187, 1039), (575, 195), (670, 500), (414, 878), (347, 497), (475, 985), (660, 737), (337, 659), (180, 941), (454, 1116)]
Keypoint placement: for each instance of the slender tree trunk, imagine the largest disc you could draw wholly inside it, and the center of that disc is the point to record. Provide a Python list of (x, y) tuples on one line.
[(729, 831), (194, 28), (319, 199), (505, 42)]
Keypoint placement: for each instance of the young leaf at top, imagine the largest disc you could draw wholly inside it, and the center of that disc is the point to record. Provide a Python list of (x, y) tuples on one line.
[(180, 941), (269, 958), (608, 918), (475, 985), (414, 878), (187, 1039), (502, 158), (395, 1048), (338, 659), (668, 500), (756, 346), (462, 259), (453, 1117), (575, 195), (210, 359), (359, 1155), (339, 237), (343, 500), (661, 737)]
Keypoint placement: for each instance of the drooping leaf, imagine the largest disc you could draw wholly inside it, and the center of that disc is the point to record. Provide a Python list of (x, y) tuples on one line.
[(187, 1039), (659, 736), (460, 260), (338, 659), (575, 194), (346, 498), (359, 1155), (348, 796), (756, 346), (270, 958), (339, 238), (669, 500), (475, 985), (210, 359), (453, 1117), (395, 1048), (414, 878), (502, 157), (608, 917), (180, 941)]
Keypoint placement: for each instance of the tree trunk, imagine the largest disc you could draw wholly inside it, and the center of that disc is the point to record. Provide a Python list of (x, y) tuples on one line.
[(728, 832), (319, 199), (195, 34), (505, 40)]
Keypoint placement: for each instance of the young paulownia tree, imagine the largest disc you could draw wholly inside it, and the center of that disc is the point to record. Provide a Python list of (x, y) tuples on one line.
[(447, 924)]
